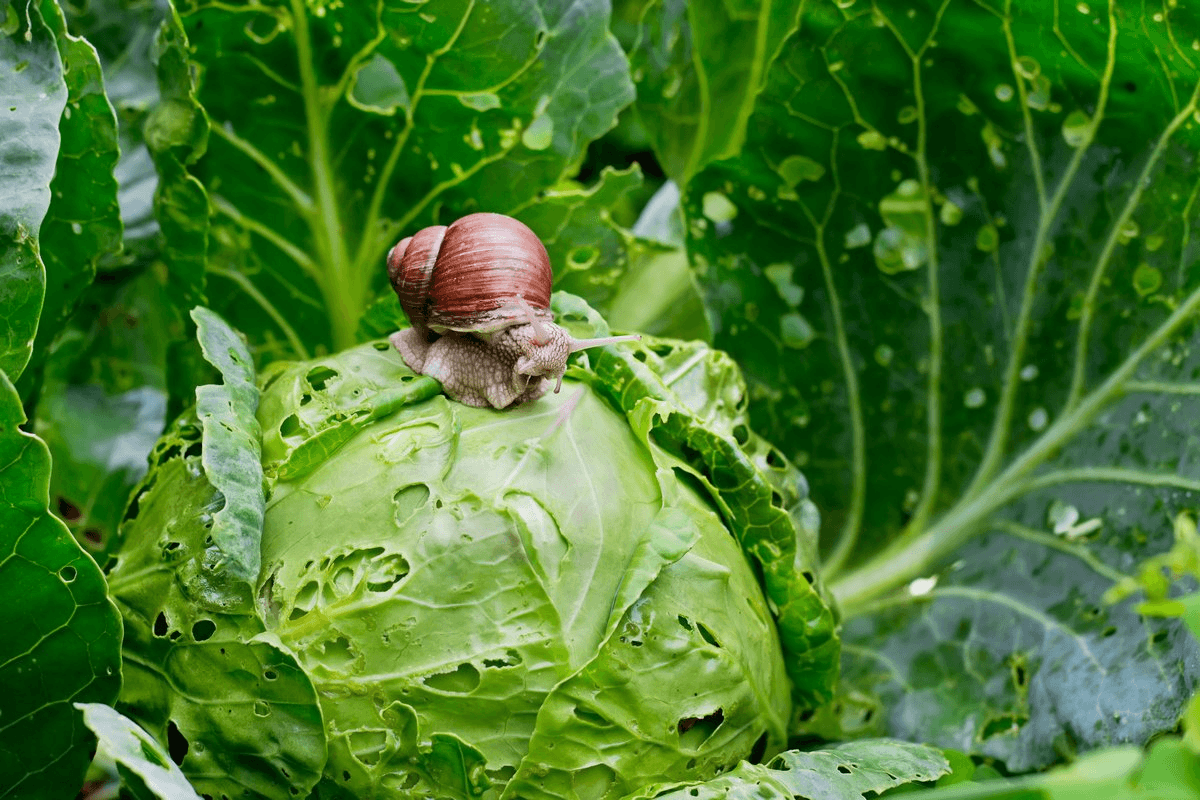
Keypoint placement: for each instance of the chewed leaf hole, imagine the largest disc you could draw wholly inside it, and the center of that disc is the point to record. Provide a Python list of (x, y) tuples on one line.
[(409, 500), (741, 434), (694, 731), (463, 680), (67, 573), (160, 624), (368, 746), (685, 623), (707, 635), (262, 708), (336, 653), (203, 630), (385, 573), (290, 426), (511, 658), (587, 715), (319, 377), (1004, 724), (177, 743), (382, 347), (842, 768)]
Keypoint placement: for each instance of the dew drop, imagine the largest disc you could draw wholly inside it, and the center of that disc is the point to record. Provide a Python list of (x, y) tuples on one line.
[(1004, 93), (1038, 419), (872, 140), (76, 228), (922, 586), (950, 214), (858, 236), (1077, 129), (1029, 372), (1083, 8), (1028, 68), (1128, 232), (884, 355), (974, 398), (1147, 279), (718, 207)]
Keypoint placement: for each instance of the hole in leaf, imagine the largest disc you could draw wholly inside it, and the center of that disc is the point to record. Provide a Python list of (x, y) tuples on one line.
[(741, 435), (1158, 637), (707, 635), (694, 731), (319, 377), (203, 630), (640, 355), (177, 743), (409, 500), (587, 715), (270, 674), (290, 426), (387, 572), (160, 624), (368, 746), (511, 658), (262, 708), (684, 622), (1003, 724), (67, 574), (842, 768), (463, 680), (382, 346)]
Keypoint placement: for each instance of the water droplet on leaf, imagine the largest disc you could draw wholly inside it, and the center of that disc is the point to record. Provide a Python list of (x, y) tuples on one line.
[(1077, 129), (1128, 232), (858, 236), (1027, 67), (1147, 279), (872, 140), (1004, 93), (1029, 372), (718, 207), (884, 355), (1038, 418), (974, 398)]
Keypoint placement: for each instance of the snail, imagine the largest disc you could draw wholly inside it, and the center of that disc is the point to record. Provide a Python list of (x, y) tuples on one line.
[(477, 294)]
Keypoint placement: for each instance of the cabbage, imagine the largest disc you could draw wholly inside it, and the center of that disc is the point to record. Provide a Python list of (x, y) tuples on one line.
[(460, 602)]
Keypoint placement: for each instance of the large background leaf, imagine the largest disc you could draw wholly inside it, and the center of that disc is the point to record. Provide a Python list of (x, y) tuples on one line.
[(62, 634), (338, 129), (33, 95), (954, 259)]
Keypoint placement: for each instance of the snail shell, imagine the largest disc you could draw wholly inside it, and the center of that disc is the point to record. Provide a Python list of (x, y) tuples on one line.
[(468, 277)]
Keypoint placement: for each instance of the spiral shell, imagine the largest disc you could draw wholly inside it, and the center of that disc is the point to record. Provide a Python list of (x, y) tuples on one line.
[(467, 277)]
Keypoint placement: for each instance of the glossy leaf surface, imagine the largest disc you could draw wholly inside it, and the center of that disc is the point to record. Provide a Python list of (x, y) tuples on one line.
[(963, 298), (62, 634)]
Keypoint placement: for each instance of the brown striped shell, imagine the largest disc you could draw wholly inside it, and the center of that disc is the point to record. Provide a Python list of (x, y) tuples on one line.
[(467, 277)]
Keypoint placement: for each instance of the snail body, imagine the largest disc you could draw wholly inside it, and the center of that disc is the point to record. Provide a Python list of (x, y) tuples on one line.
[(477, 294)]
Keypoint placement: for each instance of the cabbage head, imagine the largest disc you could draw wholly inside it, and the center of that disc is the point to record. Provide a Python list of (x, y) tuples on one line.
[(568, 600)]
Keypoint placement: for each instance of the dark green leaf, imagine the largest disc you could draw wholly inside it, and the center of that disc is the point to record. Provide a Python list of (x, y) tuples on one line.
[(135, 751), (232, 445), (699, 65), (83, 223), (62, 635), (103, 403), (339, 129), (32, 97), (928, 259), (176, 134)]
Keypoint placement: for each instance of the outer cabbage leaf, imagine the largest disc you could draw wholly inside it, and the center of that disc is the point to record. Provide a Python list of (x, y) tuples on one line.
[(690, 401), (955, 256), (232, 445), (34, 95), (337, 129), (850, 771), (241, 716), (62, 634)]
